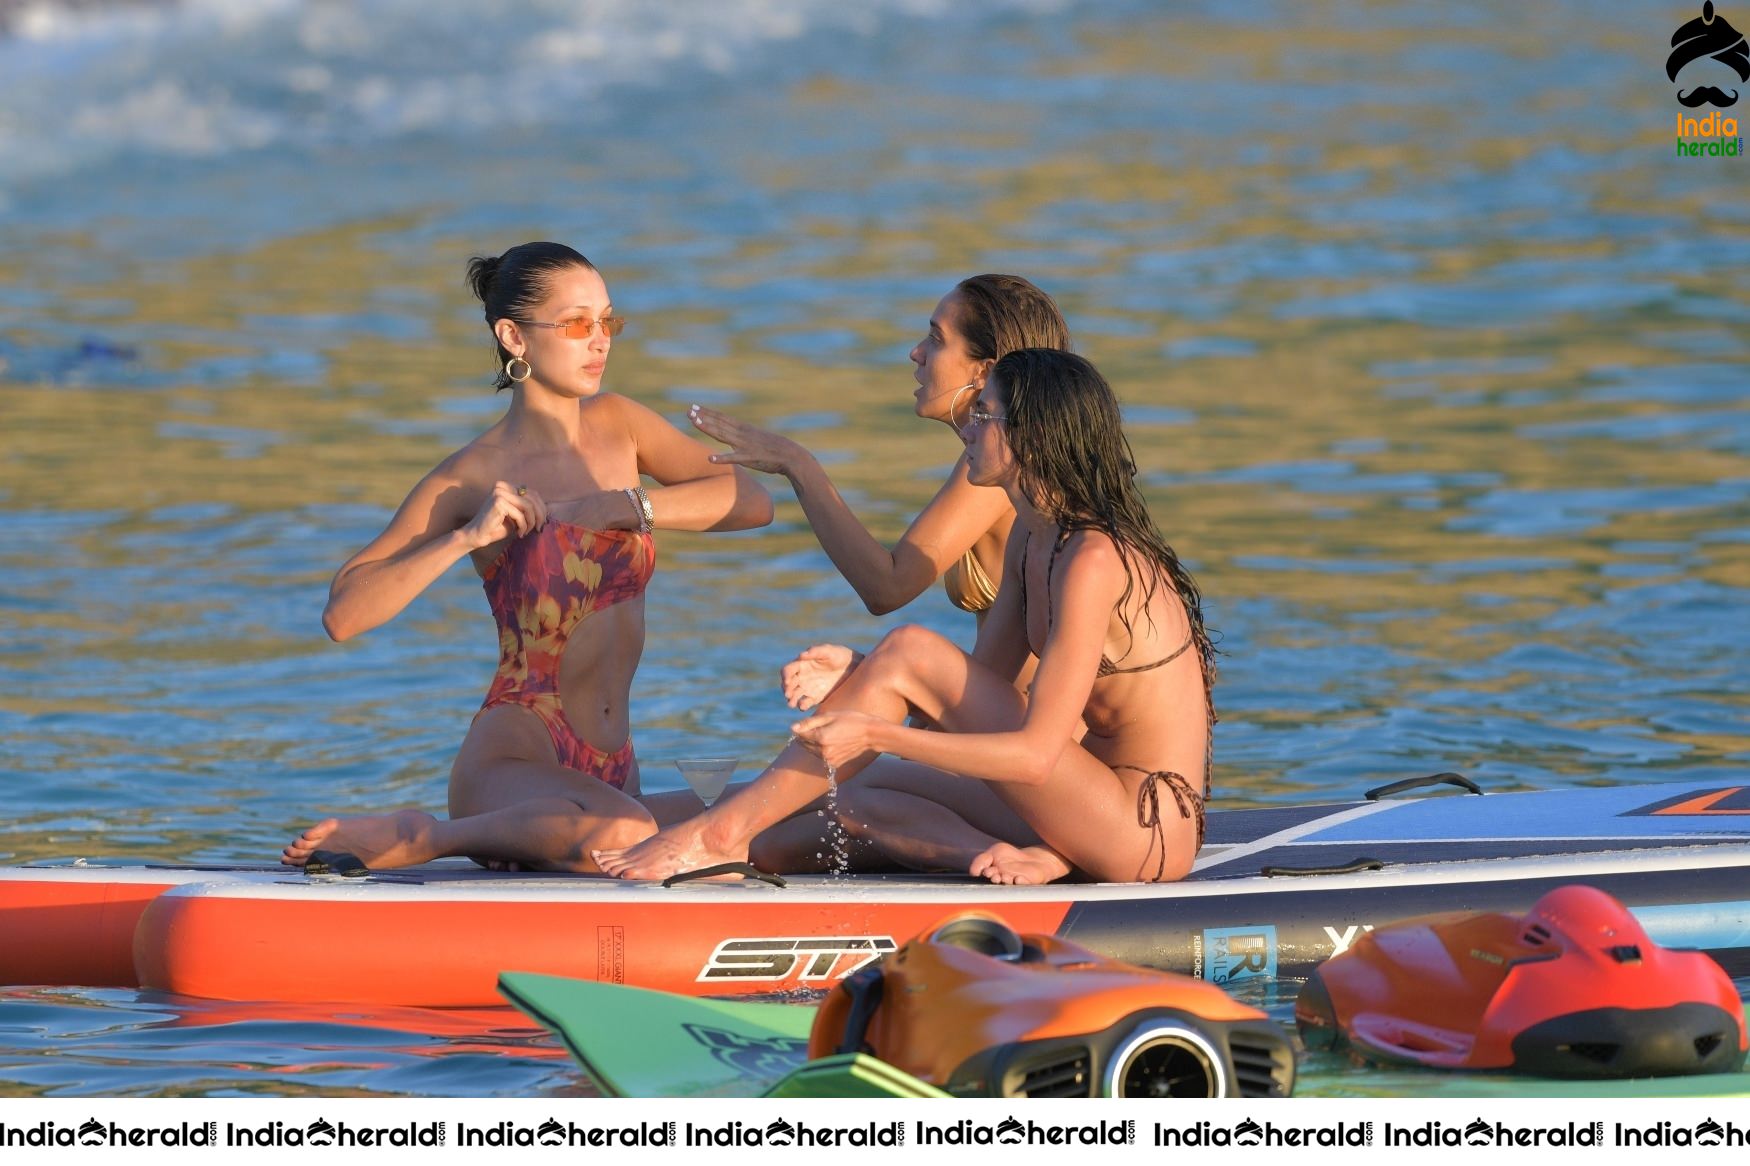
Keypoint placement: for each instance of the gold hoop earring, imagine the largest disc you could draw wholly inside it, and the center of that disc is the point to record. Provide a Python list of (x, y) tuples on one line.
[(510, 369), (954, 405)]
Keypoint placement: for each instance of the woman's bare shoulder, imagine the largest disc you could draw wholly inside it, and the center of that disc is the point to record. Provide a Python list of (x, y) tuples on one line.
[(482, 460), (620, 410), (1091, 550), (456, 485), (610, 416)]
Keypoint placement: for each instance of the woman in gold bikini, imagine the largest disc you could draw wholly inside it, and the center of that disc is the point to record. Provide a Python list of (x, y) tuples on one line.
[(958, 537)]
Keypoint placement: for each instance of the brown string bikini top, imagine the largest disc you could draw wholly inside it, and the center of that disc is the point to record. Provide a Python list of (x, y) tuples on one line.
[(1189, 801), (1107, 668)]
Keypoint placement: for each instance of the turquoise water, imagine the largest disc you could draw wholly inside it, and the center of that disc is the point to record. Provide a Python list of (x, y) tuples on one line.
[(1433, 351)]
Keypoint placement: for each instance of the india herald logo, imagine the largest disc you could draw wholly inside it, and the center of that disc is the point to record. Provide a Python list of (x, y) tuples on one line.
[(1710, 36)]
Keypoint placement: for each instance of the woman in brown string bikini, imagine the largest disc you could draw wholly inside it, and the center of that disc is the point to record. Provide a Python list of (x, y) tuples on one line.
[(1121, 649)]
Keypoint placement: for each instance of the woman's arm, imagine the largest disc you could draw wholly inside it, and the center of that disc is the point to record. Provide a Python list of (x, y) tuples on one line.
[(1088, 582), (885, 580), (1002, 647), (1002, 644), (695, 494), (430, 531)]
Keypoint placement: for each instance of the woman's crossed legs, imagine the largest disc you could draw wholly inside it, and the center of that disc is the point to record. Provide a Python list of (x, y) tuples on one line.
[(511, 804), (1081, 817)]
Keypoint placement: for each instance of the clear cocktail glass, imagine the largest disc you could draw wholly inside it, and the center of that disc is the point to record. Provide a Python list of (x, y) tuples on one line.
[(708, 776)]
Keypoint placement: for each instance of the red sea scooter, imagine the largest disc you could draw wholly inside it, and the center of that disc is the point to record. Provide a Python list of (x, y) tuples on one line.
[(1573, 988)]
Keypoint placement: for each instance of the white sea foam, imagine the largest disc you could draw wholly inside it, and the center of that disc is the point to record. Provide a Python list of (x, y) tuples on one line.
[(83, 85)]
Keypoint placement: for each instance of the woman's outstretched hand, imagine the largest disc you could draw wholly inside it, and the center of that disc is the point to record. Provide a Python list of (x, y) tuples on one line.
[(749, 445), (836, 737), (508, 512), (811, 677)]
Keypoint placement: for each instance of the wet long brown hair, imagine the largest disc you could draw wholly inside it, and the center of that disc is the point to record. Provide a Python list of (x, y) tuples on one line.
[(1076, 467)]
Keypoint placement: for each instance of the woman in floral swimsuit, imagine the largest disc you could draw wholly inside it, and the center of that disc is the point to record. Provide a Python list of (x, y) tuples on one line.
[(547, 505)]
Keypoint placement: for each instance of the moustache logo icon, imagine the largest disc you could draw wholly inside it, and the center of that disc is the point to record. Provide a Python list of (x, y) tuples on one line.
[(1707, 95), (1709, 35)]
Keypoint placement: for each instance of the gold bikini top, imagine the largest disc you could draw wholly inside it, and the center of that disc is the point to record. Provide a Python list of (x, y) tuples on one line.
[(967, 585)]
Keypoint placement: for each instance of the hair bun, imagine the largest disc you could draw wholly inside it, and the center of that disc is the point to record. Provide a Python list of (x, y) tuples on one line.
[(482, 272)]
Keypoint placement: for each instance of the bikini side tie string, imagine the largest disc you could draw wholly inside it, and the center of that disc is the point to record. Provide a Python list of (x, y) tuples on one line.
[(1148, 810)]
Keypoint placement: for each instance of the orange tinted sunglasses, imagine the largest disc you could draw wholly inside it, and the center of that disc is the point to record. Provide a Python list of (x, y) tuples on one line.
[(583, 327)]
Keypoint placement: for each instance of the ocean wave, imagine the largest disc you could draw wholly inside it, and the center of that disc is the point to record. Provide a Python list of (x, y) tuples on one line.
[(83, 83)]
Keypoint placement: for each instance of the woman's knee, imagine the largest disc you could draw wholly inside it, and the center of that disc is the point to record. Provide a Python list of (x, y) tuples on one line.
[(908, 641), (904, 652)]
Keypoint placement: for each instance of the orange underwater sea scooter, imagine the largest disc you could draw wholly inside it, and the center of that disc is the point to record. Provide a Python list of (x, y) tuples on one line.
[(978, 1010), (1573, 988)]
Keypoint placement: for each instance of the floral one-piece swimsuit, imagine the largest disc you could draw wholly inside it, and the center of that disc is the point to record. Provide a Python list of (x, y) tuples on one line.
[(542, 586)]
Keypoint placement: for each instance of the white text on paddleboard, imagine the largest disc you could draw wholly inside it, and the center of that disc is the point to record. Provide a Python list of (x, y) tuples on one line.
[(784, 957)]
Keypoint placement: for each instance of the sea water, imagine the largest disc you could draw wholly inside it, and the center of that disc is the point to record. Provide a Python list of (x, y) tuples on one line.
[(1433, 359)]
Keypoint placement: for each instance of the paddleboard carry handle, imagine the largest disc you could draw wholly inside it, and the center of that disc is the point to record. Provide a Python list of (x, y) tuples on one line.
[(741, 868), (1398, 787), (335, 862), (1352, 867)]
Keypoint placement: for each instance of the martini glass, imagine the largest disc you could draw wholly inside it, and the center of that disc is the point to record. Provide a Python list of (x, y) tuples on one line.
[(707, 775)]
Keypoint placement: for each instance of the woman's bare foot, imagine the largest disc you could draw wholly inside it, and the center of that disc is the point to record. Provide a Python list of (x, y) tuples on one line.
[(380, 841), (1019, 866), (671, 850)]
